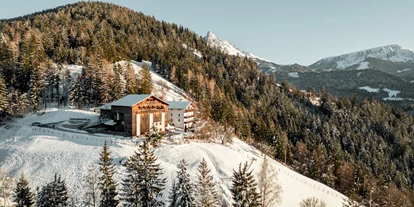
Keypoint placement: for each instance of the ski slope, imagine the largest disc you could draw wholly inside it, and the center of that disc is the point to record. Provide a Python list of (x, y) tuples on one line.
[(42, 152)]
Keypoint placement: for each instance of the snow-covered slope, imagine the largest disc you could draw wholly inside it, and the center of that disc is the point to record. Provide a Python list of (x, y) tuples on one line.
[(42, 152), (392, 53), (162, 87)]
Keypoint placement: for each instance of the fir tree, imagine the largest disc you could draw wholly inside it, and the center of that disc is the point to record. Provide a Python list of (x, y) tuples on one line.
[(184, 189), (145, 81), (107, 183), (21, 103), (36, 87), (76, 93), (3, 96), (205, 192), (244, 188), (54, 194), (173, 195), (116, 92), (143, 184), (131, 81), (23, 197)]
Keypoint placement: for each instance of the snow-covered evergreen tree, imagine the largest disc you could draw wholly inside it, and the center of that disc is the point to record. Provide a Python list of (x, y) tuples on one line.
[(205, 192), (269, 188), (173, 194), (143, 184), (3, 96), (53, 194), (184, 189), (91, 186), (23, 197), (131, 86), (107, 183), (21, 103), (76, 93), (244, 188), (116, 85), (145, 81), (37, 79)]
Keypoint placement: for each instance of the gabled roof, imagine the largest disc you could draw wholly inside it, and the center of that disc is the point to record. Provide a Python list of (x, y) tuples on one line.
[(130, 100), (178, 104)]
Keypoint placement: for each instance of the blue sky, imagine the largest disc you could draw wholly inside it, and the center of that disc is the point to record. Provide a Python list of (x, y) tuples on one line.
[(288, 31)]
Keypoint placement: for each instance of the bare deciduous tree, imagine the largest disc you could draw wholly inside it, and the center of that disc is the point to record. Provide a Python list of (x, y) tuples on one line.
[(312, 202), (269, 188)]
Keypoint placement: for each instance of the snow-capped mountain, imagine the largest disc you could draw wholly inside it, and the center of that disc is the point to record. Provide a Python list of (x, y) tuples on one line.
[(361, 59), (227, 47), (263, 65)]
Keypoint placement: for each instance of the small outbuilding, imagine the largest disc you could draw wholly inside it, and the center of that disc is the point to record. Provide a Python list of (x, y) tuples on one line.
[(181, 113), (136, 114)]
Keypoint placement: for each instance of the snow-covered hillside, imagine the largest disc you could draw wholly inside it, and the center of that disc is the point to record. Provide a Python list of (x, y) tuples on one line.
[(162, 87), (42, 152), (393, 53)]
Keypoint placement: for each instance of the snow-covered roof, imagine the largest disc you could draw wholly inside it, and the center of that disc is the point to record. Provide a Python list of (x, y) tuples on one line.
[(130, 100), (178, 104)]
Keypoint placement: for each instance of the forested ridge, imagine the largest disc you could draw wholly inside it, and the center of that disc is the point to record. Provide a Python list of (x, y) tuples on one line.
[(363, 149)]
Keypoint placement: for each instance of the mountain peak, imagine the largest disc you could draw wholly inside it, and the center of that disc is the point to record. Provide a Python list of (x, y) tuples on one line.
[(210, 36), (227, 47)]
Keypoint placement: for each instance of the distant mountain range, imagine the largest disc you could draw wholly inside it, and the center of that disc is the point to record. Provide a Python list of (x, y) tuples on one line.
[(386, 67), (264, 65), (392, 59)]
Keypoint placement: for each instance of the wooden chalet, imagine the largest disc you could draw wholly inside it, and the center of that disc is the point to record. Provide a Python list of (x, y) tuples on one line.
[(136, 114)]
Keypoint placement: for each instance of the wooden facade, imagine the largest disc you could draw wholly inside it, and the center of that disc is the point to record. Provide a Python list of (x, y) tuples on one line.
[(138, 114), (151, 114)]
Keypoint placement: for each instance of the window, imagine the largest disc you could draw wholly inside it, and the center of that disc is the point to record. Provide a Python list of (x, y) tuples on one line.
[(178, 114), (178, 119), (171, 114)]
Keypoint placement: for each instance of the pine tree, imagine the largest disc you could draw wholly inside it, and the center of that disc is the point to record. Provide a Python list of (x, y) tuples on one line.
[(269, 188), (91, 186), (184, 189), (145, 81), (36, 87), (3, 96), (116, 92), (76, 93), (21, 103), (131, 81), (107, 183), (143, 184), (54, 194), (23, 197), (205, 192), (173, 195), (244, 188)]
